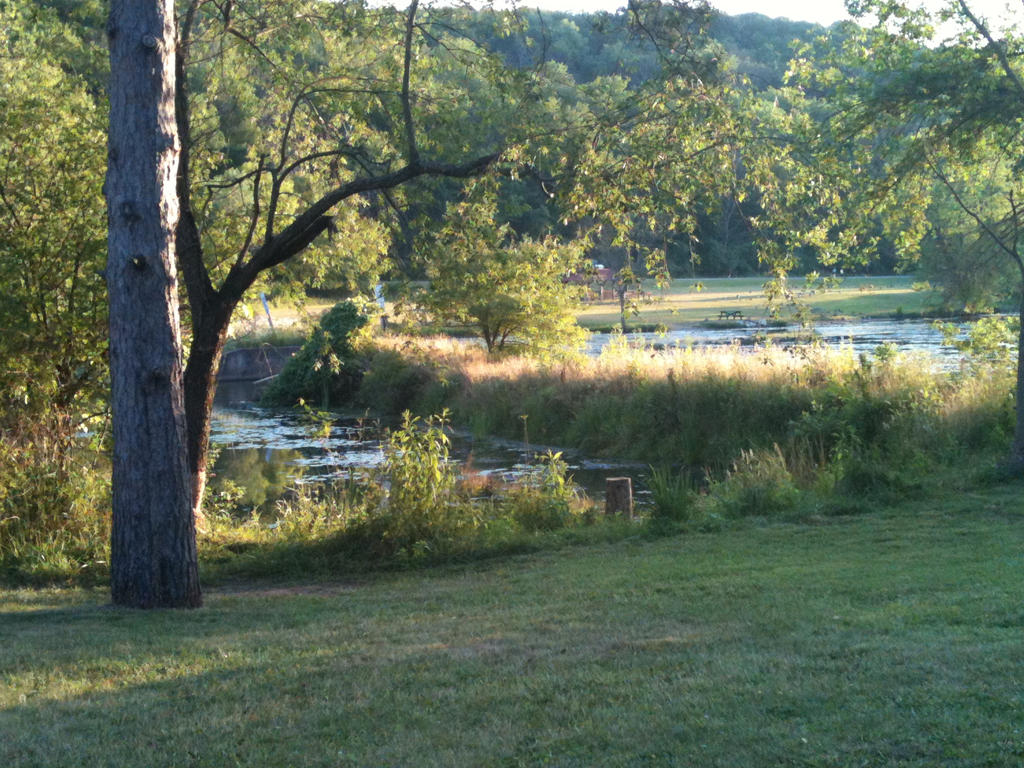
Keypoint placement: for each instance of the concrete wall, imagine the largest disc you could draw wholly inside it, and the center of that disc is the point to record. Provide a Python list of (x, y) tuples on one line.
[(254, 363)]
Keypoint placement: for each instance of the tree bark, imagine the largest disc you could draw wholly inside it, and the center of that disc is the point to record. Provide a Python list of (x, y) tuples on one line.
[(1017, 450), (209, 332), (153, 547)]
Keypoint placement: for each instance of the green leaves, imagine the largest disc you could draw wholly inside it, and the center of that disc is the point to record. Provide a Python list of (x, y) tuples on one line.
[(52, 234), (513, 291)]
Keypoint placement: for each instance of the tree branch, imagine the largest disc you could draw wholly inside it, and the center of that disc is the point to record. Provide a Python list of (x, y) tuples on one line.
[(984, 225), (310, 224), (1000, 51), (412, 153), (187, 243)]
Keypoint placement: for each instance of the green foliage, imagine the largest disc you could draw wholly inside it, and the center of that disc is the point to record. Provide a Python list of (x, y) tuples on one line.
[(757, 426), (324, 370), (545, 502), (394, 383), (759, 484), (421, 511), (53, 378), (512, 292), (925, 104), (673, 495), (973, 272), (413, 507), (52, 228), (54, 502), (990, 342)]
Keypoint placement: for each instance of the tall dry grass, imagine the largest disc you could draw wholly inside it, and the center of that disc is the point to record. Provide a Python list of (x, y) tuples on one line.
[(862, 421)]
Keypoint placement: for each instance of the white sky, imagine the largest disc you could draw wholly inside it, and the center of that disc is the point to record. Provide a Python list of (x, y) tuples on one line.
[(819, 11)]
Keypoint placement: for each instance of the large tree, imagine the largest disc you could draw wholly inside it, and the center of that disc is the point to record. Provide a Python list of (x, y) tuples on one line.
[(153, 546), (292, 115), (924, 102), (319, 107)]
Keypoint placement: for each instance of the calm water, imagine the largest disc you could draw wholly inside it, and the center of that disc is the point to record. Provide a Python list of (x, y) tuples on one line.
[(861, 336), (266, 452)]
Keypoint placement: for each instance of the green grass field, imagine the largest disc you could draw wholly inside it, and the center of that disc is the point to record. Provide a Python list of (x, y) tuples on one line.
[(682, 303), (892, 639)]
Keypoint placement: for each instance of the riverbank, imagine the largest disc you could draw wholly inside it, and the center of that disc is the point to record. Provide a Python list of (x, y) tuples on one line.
[(696, 407), (890, 637)]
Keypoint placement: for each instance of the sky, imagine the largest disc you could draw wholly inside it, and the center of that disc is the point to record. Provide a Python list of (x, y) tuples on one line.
[(818, 11)]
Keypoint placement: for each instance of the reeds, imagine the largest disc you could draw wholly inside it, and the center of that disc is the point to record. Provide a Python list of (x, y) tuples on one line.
[(835, 420)]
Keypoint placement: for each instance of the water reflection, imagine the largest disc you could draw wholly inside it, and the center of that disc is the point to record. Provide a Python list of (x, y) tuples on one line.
[(265, 452), (261, 474)]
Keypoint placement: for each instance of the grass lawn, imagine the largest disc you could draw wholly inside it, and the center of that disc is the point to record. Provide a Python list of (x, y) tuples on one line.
[(893, 639), (681, 303)]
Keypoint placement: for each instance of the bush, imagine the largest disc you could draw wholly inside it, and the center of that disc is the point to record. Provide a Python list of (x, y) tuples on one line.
[(325, 369), (54, 508), (413, 507), (545, 503), (759, 484)]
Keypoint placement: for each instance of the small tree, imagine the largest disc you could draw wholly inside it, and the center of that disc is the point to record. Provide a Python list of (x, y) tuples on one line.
[(324, 369), (510, 291)]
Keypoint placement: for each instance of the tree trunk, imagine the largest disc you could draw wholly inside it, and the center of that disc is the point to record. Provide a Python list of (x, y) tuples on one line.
[(209, 332), (1017, 451), (153, 547)]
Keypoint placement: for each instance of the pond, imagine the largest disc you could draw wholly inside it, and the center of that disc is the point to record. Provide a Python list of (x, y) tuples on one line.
[(266, 452), (862, 336)]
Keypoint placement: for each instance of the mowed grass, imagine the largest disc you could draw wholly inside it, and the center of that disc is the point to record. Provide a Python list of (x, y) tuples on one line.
[(892, 639), (688, 301)]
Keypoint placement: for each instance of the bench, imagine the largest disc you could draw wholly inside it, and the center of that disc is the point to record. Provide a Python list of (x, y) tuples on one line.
[(727, 315)]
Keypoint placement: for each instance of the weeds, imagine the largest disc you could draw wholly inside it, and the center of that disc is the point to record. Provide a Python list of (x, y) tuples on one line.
[(415, 507), (54, 497), (673, 496), (765, 425), (774, 433)]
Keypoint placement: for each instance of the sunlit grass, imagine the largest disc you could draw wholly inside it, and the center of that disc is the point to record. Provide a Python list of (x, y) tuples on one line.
[(890, 639), (683, 301), (701, 300)]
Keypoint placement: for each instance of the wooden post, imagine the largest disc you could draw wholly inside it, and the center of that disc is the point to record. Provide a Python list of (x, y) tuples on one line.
[(618, 496)]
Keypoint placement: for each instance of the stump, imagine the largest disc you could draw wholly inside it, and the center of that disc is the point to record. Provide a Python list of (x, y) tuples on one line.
[(618, 496)]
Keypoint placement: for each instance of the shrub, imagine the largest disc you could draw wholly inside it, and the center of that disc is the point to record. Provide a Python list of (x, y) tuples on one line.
[(421, 510), (324, 370), (759, 484), (545, 502), (54, 504)]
